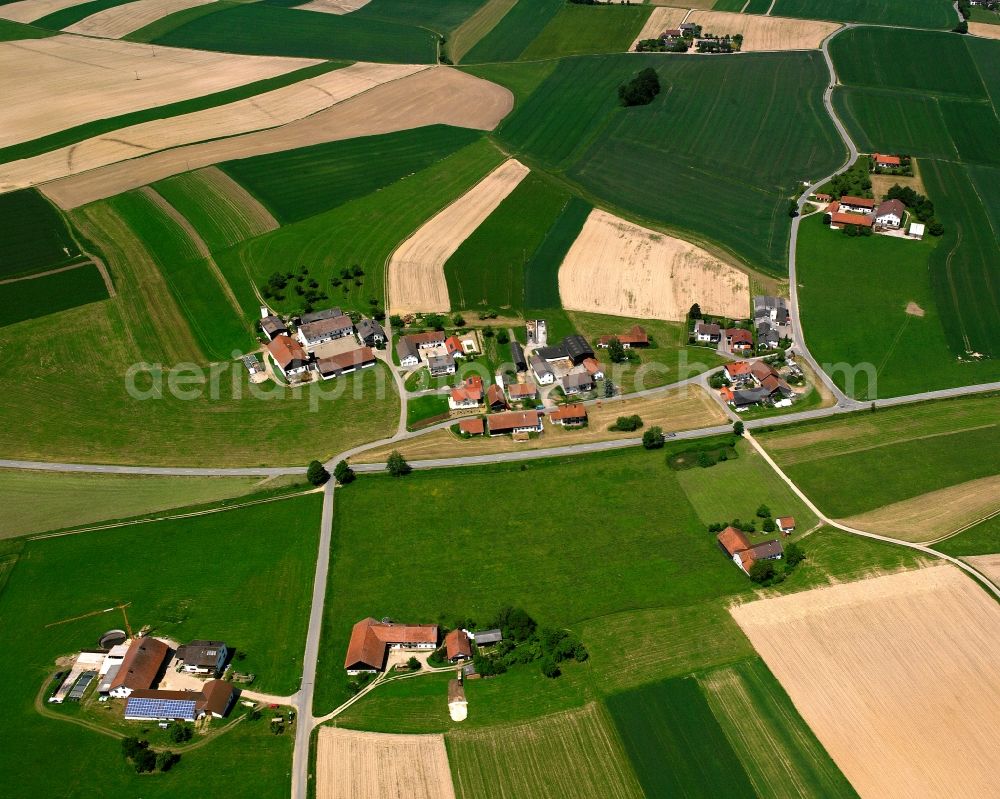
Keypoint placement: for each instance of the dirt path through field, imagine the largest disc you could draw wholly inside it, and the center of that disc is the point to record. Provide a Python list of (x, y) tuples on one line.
[(371, 765), (896, 675), (416, 269), (618, 268), (436, 95), (118, 21), (762, 33)]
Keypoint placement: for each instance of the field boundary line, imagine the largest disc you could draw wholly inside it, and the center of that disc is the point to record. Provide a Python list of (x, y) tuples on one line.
[(56, 271), (963, 528)]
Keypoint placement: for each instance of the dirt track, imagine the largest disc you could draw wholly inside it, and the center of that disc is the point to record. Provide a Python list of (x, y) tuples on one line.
[(264, 111), (765, 33), (371, 765), (75, 79), (416, 269), (618, 268), (433, 96), (663, 18), (118, 21), (896, 676)]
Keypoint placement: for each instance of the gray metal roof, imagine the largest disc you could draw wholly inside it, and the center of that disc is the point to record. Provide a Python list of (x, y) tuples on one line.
[(488, 637), (318, 316)]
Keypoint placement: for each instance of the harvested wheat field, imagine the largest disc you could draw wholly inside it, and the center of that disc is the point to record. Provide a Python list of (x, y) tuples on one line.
[(882, 183), (662, 18), (765, 33), (30, 10), (896, 675), (438, 95), (984, 29), (621, 269), (75, 79), (988, 565), (371, 765), (933, 515), (416, 269), (118, 21), (686, 408), (333, 6), (264, 111)]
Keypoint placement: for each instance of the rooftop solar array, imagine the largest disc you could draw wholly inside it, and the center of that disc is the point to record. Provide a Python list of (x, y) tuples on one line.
[(160, 708)]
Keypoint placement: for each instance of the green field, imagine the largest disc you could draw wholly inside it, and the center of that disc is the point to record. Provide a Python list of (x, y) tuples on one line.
[(906, 353), (87, 130), (68, 16), (585, 30), (12, 31), (752, 7), (41, 296), (983, 539), (441, 16), (780, 754), (720, 165), (297, 184), (254, 593), (474, 28), (730, 5), (858, 463), (541, 273), (554, 756), (676, 744), (488, 269), (164, 25), (39, 501), (264, 29), (364, 231), (904, 122), (515, 32), (218, 327), (427, 406), (925, 14), (33, 237)]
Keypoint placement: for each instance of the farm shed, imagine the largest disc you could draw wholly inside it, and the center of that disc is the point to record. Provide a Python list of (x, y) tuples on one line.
[(473, 427), (140, 667)]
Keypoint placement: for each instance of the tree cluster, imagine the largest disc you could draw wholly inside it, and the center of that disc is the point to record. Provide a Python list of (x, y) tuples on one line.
[(766, 572), (145, 759), (641, 89), (616, 351), (524, 642), (921, 207), (627, 424)]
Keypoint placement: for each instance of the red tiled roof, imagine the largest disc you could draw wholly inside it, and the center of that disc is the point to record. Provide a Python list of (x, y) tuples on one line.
[(471, 389), (457, 644), (637, 335), (762, 370), (592, 366), (726, 393), (824, 198), (217, 696), (141, 664), (430, 337), (572, 410), (474, 427), (502, 422), (738, 368), (890, 207), (739, 336), (842, 218), (859, 202), (285, 350), (371, 638), (891, 160), (786, 522), (733, 540), (494, 395), (522, 390), (453, 344)]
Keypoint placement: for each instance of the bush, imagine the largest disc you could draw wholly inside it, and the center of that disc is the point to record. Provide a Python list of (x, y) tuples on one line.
[(145, 760), (396, 320), (166, 760), (413, 664), (627, 424), (763, 512), (738, 428), (550, 669), (653, 438), (769, 526), (132, 746), (515, 624), (705, 460), (180, 733), (397, 465), (317, 473), (794, 555), (458, 320), (343, 473), (503, 337), (762, 571), (616, 351)]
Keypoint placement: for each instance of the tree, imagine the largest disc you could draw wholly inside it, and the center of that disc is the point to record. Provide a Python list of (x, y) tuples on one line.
[(343, 473), (166, 760), (961, 27), (794, 555), (413, 664), (769, 525), (762, 571), (935, 228), (550, 669), (132, 746), (317, 473), (705, 460), (396, 320), (503, 337), (616, 351), (609, 388), (695, 312), (397, 465), (763, 511), (458, 320), (653, 438), (515, 624), (180, 733), (145, 760), (793, 208), (738, 428)]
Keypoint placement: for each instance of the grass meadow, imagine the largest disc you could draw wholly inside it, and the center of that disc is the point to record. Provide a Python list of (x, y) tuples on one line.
[(13, 31), (854, 464), (254, 593), (35, 297), (34, 236), (68, 16), (514, 33), (717, 164), (926, 14), (488, 269), (296, 184), (983, 539), (441, 16), (363, 231), (265, 29), (154, 30), (585, 30)]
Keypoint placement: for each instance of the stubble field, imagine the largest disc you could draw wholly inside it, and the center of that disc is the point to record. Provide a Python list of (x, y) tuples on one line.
[(121, 20)]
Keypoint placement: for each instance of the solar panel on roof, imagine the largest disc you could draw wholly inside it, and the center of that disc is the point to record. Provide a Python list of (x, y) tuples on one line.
[(81, 685), (160, 708)]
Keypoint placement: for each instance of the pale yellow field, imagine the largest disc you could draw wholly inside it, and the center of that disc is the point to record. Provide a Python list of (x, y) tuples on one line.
[(118, 21), (416, 269), (269, 110), (618, 268), (686, 408), (984, 29), (765, 33), (933, 515), (433, 96), (30, 10), (76, 79), (896, 675), (371, 765), (333, 6), (662, 18), (692, 4), (988, 565), (466, 35)]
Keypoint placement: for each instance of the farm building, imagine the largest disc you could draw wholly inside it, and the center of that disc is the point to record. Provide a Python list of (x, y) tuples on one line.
[(738, 548), (886, 161), (739, 339), (214, 699), (371, 640), (288, 355), (458, 705), (409, 347), (543, 374), (457, 646), (370, 332), (273, 326), (856, 205), (773, 308), (890, 214), (439, 365), (707, 333), (837, 218), (577, 382), (346, 362), (916, 230), (737, 371), (574, 347), (472, 427), (537, 330), (495, 399), (316, 333), (140, 667), (487, 637), (319, 316), (743, 398), (203, 657), (594, 369), (573, 413), (468, 395), (636, 337), (786, 524), (517, 356), (512, 422)]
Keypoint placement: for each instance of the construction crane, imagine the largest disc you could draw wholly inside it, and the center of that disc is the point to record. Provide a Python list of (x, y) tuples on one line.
[(121, 607)]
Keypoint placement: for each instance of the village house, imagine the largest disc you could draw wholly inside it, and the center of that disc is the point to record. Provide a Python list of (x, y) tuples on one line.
[(739, 339), (370, 332), (707, 333), (737, 371), (774, 309), (514, 422), (636, 337), (315, 333), (273, 326), (890, 214), (140, 667), (346, 362), (571, 414), (288, 355), (882, 161), (467, 395), (457, 646), (440, 365), (472, 427), (577, 383), (495, 399), (543, 374), (203, 657), (594, 369), (214, 699), (409, 348), (738, 548), (856, 205), (836, 217), (407, 352), (371, 641), (522, 392), (786, 524)]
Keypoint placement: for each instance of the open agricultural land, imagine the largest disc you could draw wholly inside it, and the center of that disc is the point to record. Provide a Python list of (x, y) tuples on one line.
[(979, 539), (881, 642), (48, 293), (255, 595), (34, 237), (928, 14), (764, 33), (120, 20)]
